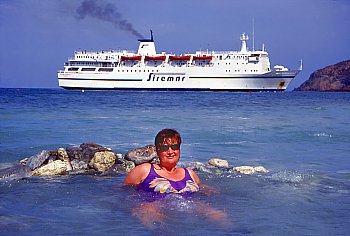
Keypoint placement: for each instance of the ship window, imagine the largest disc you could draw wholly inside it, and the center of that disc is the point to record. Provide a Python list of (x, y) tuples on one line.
[(105, 69), (88, 69), (73, 69)]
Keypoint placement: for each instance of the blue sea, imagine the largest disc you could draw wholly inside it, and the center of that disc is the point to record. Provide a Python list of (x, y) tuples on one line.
[(302, 138)]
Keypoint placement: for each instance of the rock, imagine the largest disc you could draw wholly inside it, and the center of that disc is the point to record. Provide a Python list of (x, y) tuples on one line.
[(247, 170), (102, 161), (63, 156), (23, 161), (260, 169), (331, 78), (195, 165), (79, 165), (38, 159), (218, 162), (57, 167), (85, 152), (123, 167), (88, 158), (198, 166), (90, 155), (142, 155), (119, 156)]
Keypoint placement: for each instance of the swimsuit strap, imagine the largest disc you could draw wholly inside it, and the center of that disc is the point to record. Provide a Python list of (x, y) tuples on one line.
[(153, 171), (187, 175)]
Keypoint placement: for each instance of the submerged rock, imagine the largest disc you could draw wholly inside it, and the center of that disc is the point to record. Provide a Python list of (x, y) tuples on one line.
[(247, 170), (209, 168), (120, 167), (15, 172), (142, 155)]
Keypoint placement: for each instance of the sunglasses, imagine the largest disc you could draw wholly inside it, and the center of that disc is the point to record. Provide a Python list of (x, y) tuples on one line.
[(166, 147)]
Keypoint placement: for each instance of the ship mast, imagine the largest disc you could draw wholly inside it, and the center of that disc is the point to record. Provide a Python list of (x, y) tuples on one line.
[(253, 35), (244, 38)]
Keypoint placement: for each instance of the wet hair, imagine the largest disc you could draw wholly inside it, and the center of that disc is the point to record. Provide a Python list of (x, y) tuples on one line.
[(165, 134)]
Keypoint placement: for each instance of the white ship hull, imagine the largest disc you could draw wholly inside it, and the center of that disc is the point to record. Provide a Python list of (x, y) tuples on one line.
[(146, 70), (177, 81)]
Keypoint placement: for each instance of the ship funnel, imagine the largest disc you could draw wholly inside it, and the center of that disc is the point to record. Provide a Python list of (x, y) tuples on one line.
[(147, 46), (244, 39)]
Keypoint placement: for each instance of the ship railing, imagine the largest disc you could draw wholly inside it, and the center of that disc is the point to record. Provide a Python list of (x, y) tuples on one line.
[(104, 52)]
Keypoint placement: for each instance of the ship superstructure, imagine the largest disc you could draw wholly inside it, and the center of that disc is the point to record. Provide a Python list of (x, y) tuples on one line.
[(146, 69)]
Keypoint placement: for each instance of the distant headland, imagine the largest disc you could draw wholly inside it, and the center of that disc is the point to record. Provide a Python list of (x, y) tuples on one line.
[(331, 78)]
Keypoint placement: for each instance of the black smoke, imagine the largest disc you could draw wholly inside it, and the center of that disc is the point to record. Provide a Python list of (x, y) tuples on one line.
[(105, 12)]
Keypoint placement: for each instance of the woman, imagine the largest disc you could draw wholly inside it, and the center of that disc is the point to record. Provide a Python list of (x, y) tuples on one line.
[(165, 177)]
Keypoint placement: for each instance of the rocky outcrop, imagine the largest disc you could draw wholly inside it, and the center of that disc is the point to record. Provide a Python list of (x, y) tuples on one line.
[(331, 78), (94, 159)]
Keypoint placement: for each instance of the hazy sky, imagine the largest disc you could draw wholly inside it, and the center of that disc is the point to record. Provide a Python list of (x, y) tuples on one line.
[(38, 36)]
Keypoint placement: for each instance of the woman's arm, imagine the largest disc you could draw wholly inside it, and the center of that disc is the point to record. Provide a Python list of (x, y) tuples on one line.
[(194, 176), (138, 174)]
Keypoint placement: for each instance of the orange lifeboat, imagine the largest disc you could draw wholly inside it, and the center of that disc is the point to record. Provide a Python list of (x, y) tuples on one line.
[(180, 58), (202, 57), (155, 58), (130, 58)]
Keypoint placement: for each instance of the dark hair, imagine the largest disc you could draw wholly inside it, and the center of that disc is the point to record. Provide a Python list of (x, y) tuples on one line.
[(167, 133)]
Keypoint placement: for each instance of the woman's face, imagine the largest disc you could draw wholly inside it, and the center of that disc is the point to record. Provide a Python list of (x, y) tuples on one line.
[(169, 151)]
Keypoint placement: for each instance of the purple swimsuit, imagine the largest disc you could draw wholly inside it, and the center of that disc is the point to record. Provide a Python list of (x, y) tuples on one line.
[(158, 184)]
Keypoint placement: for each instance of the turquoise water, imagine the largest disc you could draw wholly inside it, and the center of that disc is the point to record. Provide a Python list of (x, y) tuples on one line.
[(302, 138)]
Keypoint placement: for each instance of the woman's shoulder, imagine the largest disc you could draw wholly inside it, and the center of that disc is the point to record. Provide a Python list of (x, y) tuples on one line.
[(138, 174), (144, 167)]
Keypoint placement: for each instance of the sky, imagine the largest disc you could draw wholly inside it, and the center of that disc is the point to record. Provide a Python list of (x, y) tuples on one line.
[(38, 36)]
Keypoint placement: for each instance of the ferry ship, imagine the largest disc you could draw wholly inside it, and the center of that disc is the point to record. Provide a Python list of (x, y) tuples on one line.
[(146, 69)]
